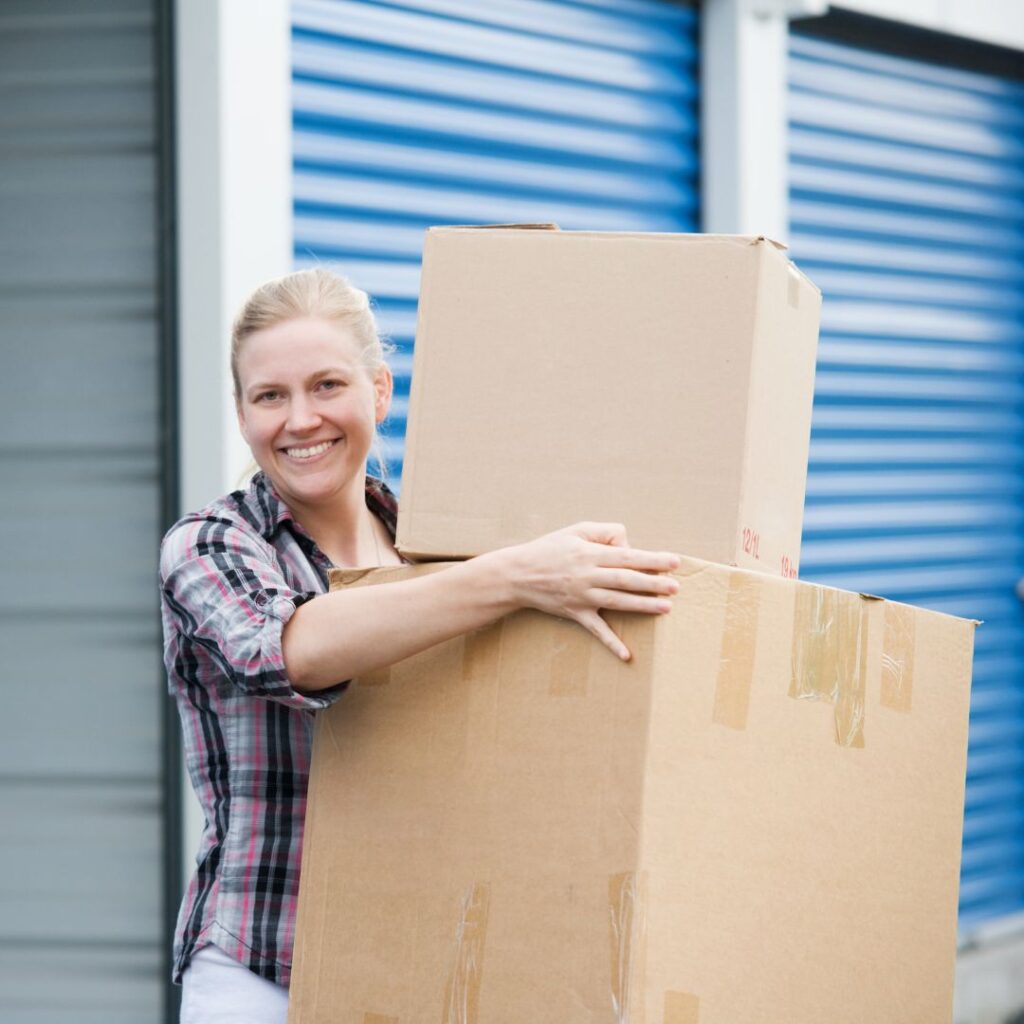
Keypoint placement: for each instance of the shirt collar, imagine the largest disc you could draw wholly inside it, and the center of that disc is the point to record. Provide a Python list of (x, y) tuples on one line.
[(266, 510)]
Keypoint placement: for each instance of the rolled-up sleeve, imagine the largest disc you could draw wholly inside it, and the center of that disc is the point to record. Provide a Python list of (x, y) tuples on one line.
[(226, 596)]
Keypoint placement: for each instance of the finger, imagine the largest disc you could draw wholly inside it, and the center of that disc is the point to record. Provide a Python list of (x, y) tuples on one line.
[(612, 534), (639, 559), (634, 581), (621, 601), (592, 621)]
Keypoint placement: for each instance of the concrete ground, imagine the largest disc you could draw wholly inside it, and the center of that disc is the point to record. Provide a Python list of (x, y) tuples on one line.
[(990, 978)]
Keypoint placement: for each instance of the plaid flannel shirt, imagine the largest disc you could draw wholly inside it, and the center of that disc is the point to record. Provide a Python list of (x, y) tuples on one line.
[(231, 577)]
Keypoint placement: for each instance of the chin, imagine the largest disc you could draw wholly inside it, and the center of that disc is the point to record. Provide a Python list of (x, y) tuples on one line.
[(313, 489)]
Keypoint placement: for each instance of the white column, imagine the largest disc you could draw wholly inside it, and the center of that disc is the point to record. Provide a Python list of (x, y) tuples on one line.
[(234, 226), (234, 209), (743, 114)]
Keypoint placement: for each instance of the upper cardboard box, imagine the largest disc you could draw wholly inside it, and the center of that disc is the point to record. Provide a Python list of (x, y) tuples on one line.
[(663, 381)]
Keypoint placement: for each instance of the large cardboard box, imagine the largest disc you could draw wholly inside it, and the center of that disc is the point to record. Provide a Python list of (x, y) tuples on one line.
[(757, 821), (663, 381)]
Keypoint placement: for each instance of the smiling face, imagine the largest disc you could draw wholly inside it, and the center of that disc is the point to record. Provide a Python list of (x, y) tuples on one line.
[(308, 409)]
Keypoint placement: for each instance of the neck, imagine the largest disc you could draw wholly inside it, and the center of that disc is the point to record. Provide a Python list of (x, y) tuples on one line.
[(343, 529)]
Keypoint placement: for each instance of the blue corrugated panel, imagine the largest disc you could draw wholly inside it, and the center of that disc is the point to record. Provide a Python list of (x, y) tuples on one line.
[(907, 208), (422, 112)]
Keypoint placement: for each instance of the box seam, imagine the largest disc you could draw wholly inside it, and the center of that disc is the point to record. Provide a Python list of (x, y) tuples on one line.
[(741, 501)]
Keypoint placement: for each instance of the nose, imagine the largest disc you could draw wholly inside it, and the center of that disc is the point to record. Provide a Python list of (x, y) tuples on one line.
[(302, 415)]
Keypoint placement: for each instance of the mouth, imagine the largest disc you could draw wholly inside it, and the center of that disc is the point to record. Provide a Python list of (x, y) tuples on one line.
[(309, 453)]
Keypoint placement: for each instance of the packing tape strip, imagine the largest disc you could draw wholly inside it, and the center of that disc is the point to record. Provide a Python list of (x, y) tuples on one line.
[(830, 639), (376, 1018), (627, 924), (337, 578), (736, 661), (898, 657), (851, 697), (681, 1008), (462, 993)]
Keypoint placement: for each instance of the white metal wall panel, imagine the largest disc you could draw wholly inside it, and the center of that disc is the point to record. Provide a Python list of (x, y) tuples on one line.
[(82, 939), (420, 112), (907, 208)]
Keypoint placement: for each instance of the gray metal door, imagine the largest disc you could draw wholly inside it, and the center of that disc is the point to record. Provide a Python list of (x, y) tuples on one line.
[(82, 934)]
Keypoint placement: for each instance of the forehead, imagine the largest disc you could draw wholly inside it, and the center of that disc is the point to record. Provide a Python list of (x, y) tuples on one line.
[(296, 348)]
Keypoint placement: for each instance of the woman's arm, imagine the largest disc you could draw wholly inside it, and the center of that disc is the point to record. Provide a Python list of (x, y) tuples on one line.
[(572, 573)]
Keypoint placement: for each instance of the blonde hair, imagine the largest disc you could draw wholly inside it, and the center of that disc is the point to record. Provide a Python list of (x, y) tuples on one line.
[(319, 293)]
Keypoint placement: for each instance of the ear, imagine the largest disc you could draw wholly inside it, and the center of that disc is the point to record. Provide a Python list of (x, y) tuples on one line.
[(383, 386)]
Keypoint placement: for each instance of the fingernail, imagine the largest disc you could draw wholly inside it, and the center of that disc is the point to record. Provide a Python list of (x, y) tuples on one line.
[(624, 654), (664, 606)]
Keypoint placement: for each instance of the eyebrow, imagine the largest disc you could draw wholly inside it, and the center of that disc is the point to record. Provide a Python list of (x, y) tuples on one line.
[(330, 371)]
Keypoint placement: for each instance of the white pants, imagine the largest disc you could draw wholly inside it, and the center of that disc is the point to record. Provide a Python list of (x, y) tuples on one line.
[(218, 990)]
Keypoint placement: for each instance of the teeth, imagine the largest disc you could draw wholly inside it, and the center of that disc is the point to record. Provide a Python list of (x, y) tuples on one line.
[(308, 453)]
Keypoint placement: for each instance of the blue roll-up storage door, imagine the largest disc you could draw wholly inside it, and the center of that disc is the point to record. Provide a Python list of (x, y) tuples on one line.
[(907, 208), (423, 112)]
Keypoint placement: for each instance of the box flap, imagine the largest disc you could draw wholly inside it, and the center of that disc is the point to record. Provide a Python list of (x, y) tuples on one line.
[(781, 246), (540, 226)]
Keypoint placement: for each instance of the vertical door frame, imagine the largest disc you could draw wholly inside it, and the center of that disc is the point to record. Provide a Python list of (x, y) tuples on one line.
[(167, 291), (744, 82)]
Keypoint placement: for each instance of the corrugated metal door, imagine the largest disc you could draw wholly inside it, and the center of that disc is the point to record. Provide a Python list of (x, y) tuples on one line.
[(420, 112), (82, 938), (907, 207)]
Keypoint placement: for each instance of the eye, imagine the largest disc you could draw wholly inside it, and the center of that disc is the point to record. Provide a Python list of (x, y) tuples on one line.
[(330, 384), (267, 396)]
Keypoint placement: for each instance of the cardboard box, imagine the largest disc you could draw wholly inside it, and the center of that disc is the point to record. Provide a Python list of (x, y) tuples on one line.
[(662, 381), (758, 821)]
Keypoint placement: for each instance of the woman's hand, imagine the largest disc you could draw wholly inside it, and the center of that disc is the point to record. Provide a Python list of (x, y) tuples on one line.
[(577, 571)]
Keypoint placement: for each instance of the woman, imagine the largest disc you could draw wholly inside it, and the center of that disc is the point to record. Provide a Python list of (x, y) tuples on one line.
[(253, 644)]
